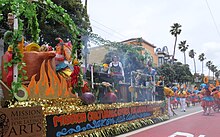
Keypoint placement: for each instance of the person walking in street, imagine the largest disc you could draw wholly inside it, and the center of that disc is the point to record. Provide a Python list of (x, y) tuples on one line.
[(168, 92), (215, 93), (182, 95), (207, 100), (175, 98)]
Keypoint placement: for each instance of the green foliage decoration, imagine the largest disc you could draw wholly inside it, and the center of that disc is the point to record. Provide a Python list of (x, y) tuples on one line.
[(17, 57), (58, 14), (26, 10)]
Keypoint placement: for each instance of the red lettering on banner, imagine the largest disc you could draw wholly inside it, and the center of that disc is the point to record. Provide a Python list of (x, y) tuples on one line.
[(69, 119), (56, 120), (105, 114), (81, 117), (127, 111), (133, 110), (141, 109), (123, 111), (109, 113), (89, 116), (113, 113), (95, 115), (149, 109)]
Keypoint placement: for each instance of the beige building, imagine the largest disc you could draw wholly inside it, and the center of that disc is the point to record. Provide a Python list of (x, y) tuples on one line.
[(97, 54), (143, 43)]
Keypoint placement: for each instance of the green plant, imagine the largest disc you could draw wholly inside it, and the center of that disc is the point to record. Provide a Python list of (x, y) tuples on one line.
[(27, 11)]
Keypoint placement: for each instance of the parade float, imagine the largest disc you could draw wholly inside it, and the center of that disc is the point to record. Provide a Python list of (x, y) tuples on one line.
[(44, 96)]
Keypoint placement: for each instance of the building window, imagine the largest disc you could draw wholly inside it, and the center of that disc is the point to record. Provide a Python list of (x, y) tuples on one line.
[(160, 61)]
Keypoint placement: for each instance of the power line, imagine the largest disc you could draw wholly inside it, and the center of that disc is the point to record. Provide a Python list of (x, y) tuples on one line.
[(213, 19), (106, 32), (108, 28)]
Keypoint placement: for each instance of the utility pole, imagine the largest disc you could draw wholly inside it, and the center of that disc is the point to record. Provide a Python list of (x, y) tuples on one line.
[(85, 50), (15, 66), (85, 43)]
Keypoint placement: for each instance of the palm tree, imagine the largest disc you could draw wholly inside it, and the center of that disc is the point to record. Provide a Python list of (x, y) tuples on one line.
[(202, 58), (183, 47), (208, 64), (192, 55), (217, 74), (175, 30), (213, 68)]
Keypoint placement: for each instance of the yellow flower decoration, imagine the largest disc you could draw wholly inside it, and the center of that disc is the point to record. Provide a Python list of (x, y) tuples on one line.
[(10, 48), (105, 65), (75, 62)]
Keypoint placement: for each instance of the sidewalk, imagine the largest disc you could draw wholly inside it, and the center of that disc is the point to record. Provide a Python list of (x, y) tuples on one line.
[(189, 110)]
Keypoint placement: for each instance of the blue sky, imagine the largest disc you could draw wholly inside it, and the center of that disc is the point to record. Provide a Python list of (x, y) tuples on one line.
[(118, 20)]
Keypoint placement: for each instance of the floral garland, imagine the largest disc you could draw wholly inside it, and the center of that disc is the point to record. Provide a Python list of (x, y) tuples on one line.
[(76, 78), (17, 56)]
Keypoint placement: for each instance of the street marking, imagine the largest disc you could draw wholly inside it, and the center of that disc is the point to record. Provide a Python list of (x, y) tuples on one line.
[(184, 134)]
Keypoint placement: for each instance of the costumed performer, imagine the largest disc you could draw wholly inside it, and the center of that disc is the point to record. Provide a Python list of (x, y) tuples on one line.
[(182, 95), (117, 72), (174, 101), (216, 95), (168, 92), (194, 96), (207, 100)]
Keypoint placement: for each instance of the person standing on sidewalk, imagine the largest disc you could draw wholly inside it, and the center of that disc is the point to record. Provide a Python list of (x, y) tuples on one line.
[(182, 95)]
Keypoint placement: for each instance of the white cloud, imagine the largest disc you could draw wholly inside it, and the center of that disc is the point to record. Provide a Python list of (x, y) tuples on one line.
[(152, 20)]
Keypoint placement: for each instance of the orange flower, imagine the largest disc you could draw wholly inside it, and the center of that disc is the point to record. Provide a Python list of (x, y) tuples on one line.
[(75, 62), (105, 65)]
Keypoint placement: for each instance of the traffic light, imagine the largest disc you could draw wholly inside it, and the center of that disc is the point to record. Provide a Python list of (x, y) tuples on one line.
[(79, 47)]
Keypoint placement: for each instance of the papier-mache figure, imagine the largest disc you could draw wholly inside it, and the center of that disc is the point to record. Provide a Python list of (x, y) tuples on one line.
[(63, 53)]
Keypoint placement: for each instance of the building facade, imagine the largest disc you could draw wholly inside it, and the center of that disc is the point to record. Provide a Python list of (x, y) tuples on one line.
[(146, 45), (97, 54), (163, 56)]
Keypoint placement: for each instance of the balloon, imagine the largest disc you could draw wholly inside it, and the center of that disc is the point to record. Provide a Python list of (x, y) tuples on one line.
[(87, 98), (110, 97)]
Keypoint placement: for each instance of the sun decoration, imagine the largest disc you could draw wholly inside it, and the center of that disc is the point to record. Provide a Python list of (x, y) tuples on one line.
[(206, 79), (216, 83)]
